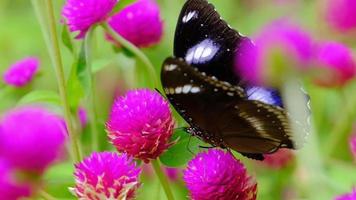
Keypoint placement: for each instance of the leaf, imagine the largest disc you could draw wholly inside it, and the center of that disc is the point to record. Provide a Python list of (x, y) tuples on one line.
[(81, 70), (74, 88), (182, 151), (43, 96), (122, 4), (66, 39)]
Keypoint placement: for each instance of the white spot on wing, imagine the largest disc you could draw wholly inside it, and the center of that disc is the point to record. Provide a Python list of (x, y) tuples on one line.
[(186, 18)]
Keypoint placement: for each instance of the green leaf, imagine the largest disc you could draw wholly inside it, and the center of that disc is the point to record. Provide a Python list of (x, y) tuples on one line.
[(81, 70), (182, 151), (66, 39), (42, 96), (122, 4), (75, 89)]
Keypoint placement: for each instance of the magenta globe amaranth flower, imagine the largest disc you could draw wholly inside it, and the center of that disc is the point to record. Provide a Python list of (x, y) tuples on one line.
[(279, 159), (336, 63), (341, 14), (31, 138), (10, 188), (218, 175), (140, 124), (349, 196), (82, 116), (80, 15), (140, 23), (22, 72), (106, 175), (280, 50)]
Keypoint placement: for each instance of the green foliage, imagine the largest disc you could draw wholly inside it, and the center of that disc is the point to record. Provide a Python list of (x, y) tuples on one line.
[(40, 96)]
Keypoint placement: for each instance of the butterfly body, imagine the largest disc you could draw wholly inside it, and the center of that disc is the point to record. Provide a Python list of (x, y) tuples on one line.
[(201, 84)]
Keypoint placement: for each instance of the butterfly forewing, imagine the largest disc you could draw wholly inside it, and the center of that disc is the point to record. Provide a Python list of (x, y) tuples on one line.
[(206, 41)]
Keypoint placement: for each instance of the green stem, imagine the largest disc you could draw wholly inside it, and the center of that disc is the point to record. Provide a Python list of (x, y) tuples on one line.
[(91, 96), (162, 178), (342, 127), (132, 48), (45, 195), (55, 55)]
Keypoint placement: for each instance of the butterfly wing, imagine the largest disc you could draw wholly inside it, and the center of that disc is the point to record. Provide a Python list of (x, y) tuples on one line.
[(220, 113), (206, 41)]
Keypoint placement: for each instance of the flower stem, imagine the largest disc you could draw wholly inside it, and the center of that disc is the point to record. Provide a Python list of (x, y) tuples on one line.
[(45, 195), (55, 55), (133, 49), (91, 96), (162, 178)]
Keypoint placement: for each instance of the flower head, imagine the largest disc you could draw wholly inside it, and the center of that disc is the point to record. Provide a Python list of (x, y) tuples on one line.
[(280, 49), (10, 188), (81, 15), (139, 23), (218, 175), (349, 196), (141, 124), (22, 72), (31, 138), (353, 145), (106, 175), (341, 14), (83, 117), (337, 63), (279, 159)]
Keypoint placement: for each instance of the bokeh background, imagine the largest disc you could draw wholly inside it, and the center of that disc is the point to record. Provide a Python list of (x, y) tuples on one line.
[(320, 171)]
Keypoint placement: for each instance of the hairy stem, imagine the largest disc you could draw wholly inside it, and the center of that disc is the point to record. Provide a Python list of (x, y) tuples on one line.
[(162, 178)]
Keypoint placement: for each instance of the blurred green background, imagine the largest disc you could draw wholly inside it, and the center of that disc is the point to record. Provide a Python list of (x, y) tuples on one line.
[(323, 169)]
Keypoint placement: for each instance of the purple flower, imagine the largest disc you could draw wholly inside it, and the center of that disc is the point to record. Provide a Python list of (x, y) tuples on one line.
[(141, 124), (10, 188), (22, 72), (139, 23), (80, 15), (280, 49), (341, 14), (350, 196), (106, 175), (218, 175), (31, 138), (337, 63), (83, 117), (353, 145)]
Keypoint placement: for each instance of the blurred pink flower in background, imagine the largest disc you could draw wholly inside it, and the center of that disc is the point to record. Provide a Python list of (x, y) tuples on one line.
[(81, 15), (31, 138), (22, 72), (349, 196), (140, 23), (341, 14), (279, 159), (106, 175), (140, 124), (336, 63), (83, 117), (218, 175), (353, 145), (10, 188), (279, 49)]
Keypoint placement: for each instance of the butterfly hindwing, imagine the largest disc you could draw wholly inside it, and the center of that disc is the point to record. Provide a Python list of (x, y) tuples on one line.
[(220, 113)]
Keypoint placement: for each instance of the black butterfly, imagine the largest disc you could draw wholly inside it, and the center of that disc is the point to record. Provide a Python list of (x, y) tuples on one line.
[(201, 84)]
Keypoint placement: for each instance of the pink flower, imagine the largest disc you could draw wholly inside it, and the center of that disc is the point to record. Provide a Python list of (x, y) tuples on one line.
[(341, 14), (10, 188), (139, 23), (172, 173), (141, 124), (280, 49), (83, 117), (350, 196), (31, 138), (22, 72), (353, 145), (106, 176), (218, 175), (337, 63), (80, 15), (279, 159)]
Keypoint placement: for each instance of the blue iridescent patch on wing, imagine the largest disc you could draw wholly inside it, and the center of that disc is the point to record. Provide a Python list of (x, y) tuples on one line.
[(265, 95)]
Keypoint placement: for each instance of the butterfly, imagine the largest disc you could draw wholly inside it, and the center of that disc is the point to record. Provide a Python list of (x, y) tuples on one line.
[(220, 107)]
